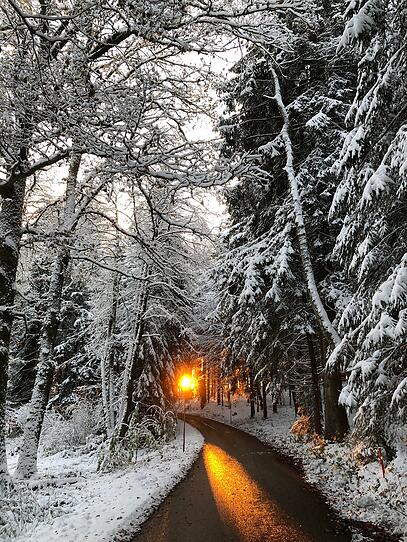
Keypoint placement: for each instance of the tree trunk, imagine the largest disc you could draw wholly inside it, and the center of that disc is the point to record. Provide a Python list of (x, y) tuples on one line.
[(264, 395), (27, 460), (202, 387), (208, 383), (210, 386), (336, 420), (133, 369), (107, 363), (336, 423), (306, 262), (11, 199), (251, 396), (211, 383), (316, 392)]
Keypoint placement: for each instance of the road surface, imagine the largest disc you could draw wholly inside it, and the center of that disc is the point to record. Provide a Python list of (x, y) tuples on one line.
[(239, 490)]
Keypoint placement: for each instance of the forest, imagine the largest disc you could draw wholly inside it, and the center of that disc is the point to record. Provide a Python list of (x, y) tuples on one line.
[(217, 187)]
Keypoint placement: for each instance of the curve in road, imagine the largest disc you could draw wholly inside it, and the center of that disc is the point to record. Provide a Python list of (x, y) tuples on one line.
[(240, 490)]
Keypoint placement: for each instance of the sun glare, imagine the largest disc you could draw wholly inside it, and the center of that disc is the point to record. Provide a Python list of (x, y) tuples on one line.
[(186, 383)]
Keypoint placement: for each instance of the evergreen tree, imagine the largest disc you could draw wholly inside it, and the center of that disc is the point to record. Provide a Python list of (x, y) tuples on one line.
[(264, 294), (371, 201)]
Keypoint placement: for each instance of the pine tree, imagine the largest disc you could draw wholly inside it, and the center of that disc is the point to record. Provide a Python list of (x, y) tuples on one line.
[(266, 293), (371, 201)]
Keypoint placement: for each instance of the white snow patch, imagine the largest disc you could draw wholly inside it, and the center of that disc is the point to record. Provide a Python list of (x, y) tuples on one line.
[(94, 506)]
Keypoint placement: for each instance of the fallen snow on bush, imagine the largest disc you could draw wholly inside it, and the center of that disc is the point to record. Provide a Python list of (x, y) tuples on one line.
[(355, 491), (69, 500)]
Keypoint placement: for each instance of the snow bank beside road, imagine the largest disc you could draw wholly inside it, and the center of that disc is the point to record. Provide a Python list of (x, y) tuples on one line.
[(356, 492), (100, 507)]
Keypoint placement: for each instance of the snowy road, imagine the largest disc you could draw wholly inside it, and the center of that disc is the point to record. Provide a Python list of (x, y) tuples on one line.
[(240, 491)]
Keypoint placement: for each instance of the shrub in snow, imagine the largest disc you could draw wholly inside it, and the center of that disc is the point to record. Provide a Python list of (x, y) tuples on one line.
[(156, 427), (70, 430), (15, 420), (302, 428), (363, 454), (319, 445), (20, 510)]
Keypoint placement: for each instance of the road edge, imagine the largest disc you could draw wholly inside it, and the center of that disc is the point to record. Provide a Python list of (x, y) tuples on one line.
[(373, 532), (134, 523)]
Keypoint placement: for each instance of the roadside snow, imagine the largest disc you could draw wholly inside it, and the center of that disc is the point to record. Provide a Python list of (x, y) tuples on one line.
[(74, 503), (356, 492)]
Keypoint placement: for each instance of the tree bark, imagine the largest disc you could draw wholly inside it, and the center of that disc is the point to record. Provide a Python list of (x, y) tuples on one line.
[(27, 460), (264, 395), (251, 396), (336, 423), (107, 363), (295, 404), (133, 369), (11, 212), (336, 420), (316, 392)]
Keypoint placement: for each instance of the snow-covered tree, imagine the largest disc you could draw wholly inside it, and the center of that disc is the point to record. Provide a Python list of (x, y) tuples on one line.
[(279, 285), (116, 86), (370, 200)]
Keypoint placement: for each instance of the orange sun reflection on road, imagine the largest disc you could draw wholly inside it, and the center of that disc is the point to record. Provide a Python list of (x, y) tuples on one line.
[(242, 502)]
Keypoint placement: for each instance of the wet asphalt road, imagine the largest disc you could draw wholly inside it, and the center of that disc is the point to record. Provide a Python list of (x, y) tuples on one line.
[(239, 490)]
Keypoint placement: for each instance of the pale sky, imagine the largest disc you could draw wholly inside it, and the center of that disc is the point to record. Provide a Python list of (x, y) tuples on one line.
[(201, 129)]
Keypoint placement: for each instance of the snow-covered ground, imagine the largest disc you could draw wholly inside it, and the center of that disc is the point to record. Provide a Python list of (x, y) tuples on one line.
[(70, 501), (356, 492)]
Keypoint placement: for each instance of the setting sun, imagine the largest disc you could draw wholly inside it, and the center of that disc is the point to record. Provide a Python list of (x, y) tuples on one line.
[(186, 383)]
